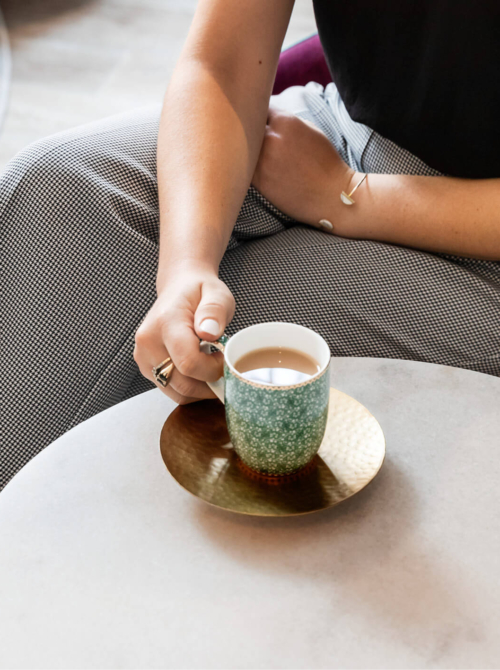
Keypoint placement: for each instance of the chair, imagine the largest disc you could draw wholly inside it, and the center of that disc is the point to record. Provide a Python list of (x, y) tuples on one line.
[(300, 63)]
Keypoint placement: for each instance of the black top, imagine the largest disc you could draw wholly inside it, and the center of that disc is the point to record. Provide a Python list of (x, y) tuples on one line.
[(423, 73)]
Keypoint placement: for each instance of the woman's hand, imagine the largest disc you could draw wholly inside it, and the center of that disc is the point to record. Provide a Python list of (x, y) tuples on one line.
[(192, 304), (299, 170)]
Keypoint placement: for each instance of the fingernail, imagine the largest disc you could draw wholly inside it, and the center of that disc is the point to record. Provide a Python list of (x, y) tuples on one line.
[(324, 223), (210, 326)]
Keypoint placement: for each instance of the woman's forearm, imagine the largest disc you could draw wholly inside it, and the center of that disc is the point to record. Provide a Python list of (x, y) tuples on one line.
[(207, 151), (212, 126), (302, 174), (438, 214)]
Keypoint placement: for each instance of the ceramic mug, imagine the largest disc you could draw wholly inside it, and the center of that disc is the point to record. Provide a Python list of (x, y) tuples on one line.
[(275, 430)]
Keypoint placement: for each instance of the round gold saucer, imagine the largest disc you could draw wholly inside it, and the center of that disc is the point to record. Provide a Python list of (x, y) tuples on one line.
[(197, 451)]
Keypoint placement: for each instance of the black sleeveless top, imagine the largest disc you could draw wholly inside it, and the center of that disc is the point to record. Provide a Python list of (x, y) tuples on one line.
[(423, 73)]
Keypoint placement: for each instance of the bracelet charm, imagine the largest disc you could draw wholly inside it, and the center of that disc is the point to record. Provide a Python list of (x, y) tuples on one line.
[(346, 197), (347, 200)]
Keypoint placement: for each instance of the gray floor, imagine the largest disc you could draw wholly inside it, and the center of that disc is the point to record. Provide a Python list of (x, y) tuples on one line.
[(79, 60)]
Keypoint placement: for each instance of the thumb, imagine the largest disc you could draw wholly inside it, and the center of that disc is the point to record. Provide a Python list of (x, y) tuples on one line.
[(215, 311)]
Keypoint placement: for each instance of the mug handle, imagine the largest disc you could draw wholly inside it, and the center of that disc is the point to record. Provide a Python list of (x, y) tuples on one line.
[(220, 344)]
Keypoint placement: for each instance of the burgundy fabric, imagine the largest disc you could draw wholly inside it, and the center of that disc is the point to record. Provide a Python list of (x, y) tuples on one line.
[(301, 63)]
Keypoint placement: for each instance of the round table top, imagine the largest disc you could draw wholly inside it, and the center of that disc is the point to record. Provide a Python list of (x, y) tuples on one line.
[(105, 562)]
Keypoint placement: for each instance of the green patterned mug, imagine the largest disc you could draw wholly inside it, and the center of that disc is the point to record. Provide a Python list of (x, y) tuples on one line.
[(275, 430)]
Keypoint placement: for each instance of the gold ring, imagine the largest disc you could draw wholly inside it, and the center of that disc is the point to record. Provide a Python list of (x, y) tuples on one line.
[(163, 372)]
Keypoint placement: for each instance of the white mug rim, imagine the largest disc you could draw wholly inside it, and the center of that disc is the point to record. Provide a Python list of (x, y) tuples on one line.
[(256, 326)]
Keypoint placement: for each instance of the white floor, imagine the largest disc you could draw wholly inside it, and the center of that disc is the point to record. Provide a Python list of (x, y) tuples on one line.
[(79, 60)]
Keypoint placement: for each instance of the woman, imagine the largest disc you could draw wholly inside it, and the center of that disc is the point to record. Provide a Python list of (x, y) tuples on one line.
[(121, 243)]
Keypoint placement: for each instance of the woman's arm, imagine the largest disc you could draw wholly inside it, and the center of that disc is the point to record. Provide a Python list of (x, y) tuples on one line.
[(439, 214), (211, 130), (212, 126), (301, 173)]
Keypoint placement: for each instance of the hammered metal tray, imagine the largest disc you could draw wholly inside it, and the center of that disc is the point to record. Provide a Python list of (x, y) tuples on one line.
[(197, 451)]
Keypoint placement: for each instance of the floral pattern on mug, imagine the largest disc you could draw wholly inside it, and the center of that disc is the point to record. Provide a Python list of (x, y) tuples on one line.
[(276, 431)]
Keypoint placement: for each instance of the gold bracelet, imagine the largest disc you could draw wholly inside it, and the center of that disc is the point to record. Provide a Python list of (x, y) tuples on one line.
[(346, 197)]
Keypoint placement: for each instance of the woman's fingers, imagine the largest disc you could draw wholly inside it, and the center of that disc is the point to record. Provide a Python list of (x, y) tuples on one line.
[(215, 310), (183, 346), (181, 399), (189, 387), (181, 388), (181, 333), (184, 349), (190, 310)]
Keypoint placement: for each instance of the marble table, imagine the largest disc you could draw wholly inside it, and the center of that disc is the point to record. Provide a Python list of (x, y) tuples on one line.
[(105, 562)]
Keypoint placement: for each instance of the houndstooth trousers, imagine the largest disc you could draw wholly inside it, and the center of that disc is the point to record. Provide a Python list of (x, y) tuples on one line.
[(80, 229)]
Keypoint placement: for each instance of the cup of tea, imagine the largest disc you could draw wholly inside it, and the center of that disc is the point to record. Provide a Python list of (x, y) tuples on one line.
[(276, 390)]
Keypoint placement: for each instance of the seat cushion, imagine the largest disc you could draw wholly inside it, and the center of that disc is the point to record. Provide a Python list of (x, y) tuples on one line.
[(301, 63)]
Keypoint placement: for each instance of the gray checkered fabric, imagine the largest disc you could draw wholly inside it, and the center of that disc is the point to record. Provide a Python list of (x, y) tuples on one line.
[(79, 214)]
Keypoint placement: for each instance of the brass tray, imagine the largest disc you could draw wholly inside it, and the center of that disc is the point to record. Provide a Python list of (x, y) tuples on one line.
[(197, 451)]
